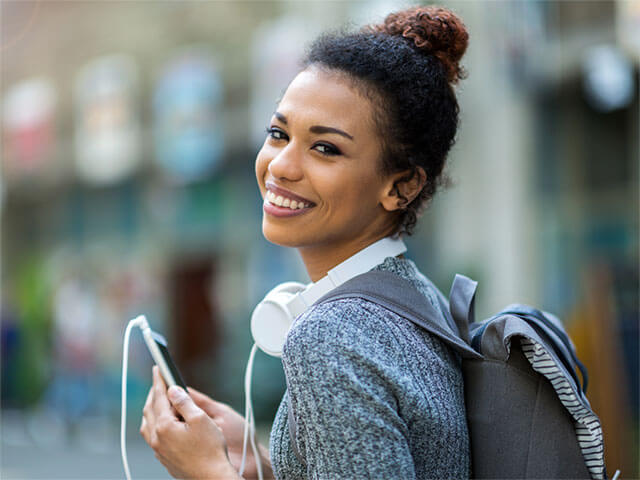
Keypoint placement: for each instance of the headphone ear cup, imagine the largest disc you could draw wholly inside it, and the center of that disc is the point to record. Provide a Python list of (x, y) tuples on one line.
[(271, 319), (285, 291)]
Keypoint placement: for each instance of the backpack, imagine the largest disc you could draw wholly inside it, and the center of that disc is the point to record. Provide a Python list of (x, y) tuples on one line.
[(527, 411)]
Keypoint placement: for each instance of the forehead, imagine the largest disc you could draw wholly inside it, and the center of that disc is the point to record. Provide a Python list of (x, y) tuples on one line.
[(317, 97)]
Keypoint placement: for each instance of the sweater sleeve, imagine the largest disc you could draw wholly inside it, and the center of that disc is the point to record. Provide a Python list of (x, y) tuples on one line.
[(342, 388)]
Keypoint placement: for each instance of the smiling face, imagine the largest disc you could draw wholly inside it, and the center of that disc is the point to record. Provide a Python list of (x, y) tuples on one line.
[(319, 170)]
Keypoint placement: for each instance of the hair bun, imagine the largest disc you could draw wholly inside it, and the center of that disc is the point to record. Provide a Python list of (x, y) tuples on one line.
[(434, 30)]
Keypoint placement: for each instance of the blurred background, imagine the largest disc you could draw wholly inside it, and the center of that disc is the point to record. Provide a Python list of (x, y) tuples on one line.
[(129, 132)]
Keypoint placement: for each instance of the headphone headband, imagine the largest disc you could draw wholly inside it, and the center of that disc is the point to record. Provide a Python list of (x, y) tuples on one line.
[(361, 262)]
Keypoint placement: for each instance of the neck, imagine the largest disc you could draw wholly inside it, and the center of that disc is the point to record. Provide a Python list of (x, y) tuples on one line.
[(319, 259)]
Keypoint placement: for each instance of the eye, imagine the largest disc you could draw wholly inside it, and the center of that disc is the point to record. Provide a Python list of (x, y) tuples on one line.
[(276, 133), (326, 149)]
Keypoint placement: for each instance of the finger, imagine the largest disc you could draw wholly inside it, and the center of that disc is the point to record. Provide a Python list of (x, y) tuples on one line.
[(206, 403), (196, 391), (149, 397), (158, 380), (148, 402), (160, 401), (144, 429), (200, 398), (148, 415), (185, 405), (148, 434), (162, 406)]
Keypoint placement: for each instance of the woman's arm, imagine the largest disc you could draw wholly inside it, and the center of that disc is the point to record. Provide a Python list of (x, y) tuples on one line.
[(341, 389)]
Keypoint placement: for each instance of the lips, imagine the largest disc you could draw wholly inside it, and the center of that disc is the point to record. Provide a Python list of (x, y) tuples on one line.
[(286, 194), (280, 202)]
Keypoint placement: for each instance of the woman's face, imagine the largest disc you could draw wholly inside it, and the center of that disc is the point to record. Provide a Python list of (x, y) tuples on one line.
[(318, 170)]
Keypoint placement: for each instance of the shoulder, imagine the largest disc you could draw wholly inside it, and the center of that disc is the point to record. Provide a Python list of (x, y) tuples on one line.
[(363, 332), (407, 270), (342, 326), (337, 320)]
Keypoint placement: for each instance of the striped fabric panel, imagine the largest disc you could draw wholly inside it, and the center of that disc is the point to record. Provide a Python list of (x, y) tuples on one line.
[(587, 424)]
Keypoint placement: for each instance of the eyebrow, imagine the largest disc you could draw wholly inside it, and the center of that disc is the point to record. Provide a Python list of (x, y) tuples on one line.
[(316, 128)]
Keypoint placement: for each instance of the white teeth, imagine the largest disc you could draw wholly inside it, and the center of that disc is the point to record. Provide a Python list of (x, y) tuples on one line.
[(281, 201)]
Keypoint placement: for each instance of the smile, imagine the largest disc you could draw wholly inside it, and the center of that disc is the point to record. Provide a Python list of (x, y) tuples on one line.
[(282, 203), (286, 202)]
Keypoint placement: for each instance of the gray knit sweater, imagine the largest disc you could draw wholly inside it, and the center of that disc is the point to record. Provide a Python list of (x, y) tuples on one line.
[(373, 395)]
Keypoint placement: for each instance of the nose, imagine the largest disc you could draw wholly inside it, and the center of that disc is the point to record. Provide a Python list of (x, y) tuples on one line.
[(287, 164)]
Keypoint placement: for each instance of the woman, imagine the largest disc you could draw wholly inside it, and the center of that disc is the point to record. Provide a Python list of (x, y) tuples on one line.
[(354, 150)]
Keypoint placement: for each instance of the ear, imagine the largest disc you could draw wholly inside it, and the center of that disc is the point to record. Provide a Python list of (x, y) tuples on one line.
[(402, 188)]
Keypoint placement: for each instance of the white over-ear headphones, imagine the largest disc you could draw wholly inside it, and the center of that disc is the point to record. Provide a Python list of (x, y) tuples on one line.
[(272, 318)]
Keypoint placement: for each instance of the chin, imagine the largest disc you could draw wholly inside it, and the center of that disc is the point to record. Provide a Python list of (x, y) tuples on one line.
[(278, 235)]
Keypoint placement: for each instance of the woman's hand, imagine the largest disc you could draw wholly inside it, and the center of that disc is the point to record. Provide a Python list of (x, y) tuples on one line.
[(191, 448), (232, 425)]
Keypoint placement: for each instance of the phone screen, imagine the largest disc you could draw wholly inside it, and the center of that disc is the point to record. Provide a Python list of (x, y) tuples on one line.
[(162, 345)]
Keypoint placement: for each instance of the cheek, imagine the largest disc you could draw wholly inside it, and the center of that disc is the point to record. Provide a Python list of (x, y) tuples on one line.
[(261, 167), (357, 191)]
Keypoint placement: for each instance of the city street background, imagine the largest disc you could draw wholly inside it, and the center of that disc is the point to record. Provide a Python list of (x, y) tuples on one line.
[(129, 133)]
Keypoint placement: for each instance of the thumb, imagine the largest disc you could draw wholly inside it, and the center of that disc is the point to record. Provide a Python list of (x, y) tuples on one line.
[(184, 404)]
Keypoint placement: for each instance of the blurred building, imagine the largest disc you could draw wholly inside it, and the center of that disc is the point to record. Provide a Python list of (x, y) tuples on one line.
[(127, 186)]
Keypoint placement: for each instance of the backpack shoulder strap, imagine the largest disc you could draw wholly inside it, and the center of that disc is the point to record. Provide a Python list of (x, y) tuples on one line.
[(401, 297), (461, 303)]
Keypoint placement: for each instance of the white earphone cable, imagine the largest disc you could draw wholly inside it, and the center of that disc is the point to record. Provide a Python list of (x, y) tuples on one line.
[(136, 322), (250, 424)]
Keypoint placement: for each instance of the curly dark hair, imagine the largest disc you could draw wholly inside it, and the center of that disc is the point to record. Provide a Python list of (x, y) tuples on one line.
[(406, 66)]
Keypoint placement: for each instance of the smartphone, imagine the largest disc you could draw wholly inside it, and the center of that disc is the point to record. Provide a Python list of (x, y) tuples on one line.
[(157, 346)]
